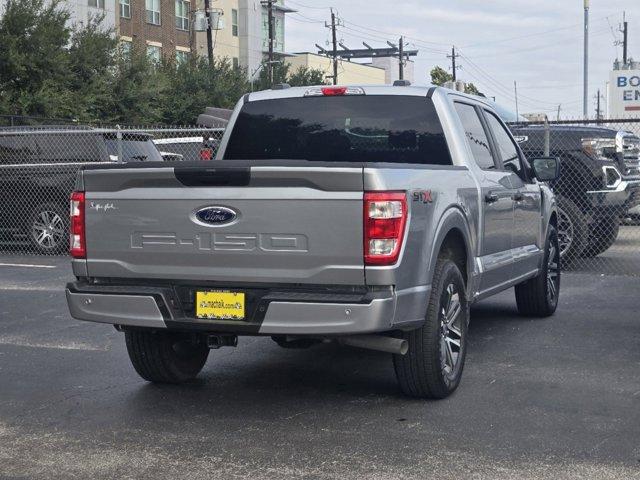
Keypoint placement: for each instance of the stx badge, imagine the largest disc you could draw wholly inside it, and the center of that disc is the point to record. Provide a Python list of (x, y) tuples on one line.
[(422, 196)]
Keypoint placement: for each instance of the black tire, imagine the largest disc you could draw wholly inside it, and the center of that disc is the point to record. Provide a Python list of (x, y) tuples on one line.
[(49, 228), (538, 297), (602, 235), (165, 357), (424, 371), (572, 228)]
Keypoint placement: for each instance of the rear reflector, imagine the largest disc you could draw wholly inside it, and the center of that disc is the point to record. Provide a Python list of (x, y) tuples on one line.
[(385, 217), (333, 91), (77, 245)]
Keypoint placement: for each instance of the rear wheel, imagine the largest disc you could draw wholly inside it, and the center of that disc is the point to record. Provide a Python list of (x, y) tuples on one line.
[(165, 357), (602, 235), (538, 297), (433, 366), (49, 231)]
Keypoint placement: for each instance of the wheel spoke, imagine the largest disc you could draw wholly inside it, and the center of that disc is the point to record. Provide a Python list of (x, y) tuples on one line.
[(453, 341)]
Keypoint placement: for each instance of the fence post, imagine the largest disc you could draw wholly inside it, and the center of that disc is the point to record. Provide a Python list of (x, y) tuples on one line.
[(119, 142), (547, 138)]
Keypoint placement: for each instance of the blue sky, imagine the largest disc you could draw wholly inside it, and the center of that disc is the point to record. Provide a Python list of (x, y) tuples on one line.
[(536, 43)]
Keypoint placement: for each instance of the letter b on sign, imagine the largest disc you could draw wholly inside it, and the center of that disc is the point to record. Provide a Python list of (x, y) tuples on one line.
[(622, 81)]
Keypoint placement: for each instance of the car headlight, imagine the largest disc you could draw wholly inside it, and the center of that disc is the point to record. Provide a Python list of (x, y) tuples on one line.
[(602, 148)]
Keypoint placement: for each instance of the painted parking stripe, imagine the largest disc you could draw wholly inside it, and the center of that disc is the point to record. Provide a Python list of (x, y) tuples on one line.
[(26, 265)]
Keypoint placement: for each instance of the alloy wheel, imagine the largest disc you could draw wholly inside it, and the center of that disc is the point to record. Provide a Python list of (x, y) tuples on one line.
[(450, 329), (553, 272), (565, 232), (48, 230)]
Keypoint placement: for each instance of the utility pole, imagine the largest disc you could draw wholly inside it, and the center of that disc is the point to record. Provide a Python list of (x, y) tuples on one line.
[(401, 62), (515, 89), (334, 52), (270, 62), (559, 107), (625, 38), (585, 105), (599, 115), (207, 12), (453, 57)]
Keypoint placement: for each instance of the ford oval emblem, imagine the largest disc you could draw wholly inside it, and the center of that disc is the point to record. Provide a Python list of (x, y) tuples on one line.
[(215, 215)]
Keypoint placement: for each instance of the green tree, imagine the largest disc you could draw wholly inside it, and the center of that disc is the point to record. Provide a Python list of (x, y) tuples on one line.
[(194, 85), (304, 76), (439, 76), (301, 77), (34, 65)]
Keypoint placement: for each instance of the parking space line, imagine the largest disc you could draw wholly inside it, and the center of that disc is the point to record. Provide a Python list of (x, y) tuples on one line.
[(21, 342), (26, 265)]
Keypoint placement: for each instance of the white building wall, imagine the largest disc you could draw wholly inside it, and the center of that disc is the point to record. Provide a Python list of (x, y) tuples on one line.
[(250, 33), (80, 12), (391, 66)]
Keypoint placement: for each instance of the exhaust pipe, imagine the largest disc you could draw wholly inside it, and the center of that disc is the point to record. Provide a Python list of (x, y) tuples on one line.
[(215, 342), (377, 342)]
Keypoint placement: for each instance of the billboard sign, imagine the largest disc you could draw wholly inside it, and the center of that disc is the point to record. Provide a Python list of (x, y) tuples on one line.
[(624, 94)]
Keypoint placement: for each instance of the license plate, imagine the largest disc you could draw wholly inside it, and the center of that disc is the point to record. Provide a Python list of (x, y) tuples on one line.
[(220, 305)]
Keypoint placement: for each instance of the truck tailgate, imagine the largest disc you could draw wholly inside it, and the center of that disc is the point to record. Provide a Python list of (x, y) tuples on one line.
[(292, 224)]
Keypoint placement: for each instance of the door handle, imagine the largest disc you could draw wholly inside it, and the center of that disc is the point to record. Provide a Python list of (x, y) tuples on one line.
[(491, 197), (518, 197)]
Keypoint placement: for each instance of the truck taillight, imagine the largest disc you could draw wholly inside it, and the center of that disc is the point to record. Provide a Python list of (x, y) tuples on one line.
[(77, 244), (385, 217), (206, 154)]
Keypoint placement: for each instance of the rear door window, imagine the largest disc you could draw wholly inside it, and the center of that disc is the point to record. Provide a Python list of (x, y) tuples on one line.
[(359, 128), (476, 136), (17, 149)]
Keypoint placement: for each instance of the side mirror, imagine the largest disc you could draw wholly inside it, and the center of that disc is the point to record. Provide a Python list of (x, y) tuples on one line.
[(546, 169)]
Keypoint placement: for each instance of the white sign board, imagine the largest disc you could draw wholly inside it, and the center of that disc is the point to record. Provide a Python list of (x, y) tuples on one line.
[(624, 94)]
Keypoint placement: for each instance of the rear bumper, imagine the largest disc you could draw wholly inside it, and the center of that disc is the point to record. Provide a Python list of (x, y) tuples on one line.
[(268, 312)]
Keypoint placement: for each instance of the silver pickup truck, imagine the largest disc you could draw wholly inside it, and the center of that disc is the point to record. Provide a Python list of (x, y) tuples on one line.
[(368, 216)]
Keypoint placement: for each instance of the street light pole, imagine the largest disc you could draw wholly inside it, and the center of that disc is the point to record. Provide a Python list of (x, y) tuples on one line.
[(585, 99)]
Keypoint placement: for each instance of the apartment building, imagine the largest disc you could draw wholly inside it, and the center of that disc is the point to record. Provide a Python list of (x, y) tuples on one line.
[(161, 27), (176, 28)]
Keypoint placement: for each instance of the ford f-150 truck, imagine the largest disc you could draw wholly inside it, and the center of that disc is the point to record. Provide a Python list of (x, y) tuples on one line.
[(372, 216)]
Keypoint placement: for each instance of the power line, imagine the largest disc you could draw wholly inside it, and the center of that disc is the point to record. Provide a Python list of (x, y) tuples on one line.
[(542, 33)]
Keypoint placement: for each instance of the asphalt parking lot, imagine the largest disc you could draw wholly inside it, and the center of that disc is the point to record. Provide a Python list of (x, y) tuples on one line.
[(556, 398)]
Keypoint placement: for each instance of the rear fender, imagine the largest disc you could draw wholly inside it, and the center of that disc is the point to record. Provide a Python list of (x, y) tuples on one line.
[(454, 219)]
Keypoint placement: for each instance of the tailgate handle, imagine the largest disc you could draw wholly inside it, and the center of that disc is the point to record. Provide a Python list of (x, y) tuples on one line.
[(213, 177)]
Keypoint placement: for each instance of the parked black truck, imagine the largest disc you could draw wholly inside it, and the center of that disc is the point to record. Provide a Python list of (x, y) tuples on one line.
[(599, 183)]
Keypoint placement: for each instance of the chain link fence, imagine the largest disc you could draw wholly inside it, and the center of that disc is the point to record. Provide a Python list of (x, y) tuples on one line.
[(38, 166), (598, 191)]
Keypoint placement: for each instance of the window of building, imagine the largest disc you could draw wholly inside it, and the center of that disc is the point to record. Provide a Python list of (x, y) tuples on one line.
[(154, 53), (476, 135), (181, 57), (125, 48), (236, 63), (153, 11), (182, 14), (96, 3), (125, 8), (234, 22)]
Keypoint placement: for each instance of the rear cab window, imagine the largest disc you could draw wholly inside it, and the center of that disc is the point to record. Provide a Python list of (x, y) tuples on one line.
[(358, 128)]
